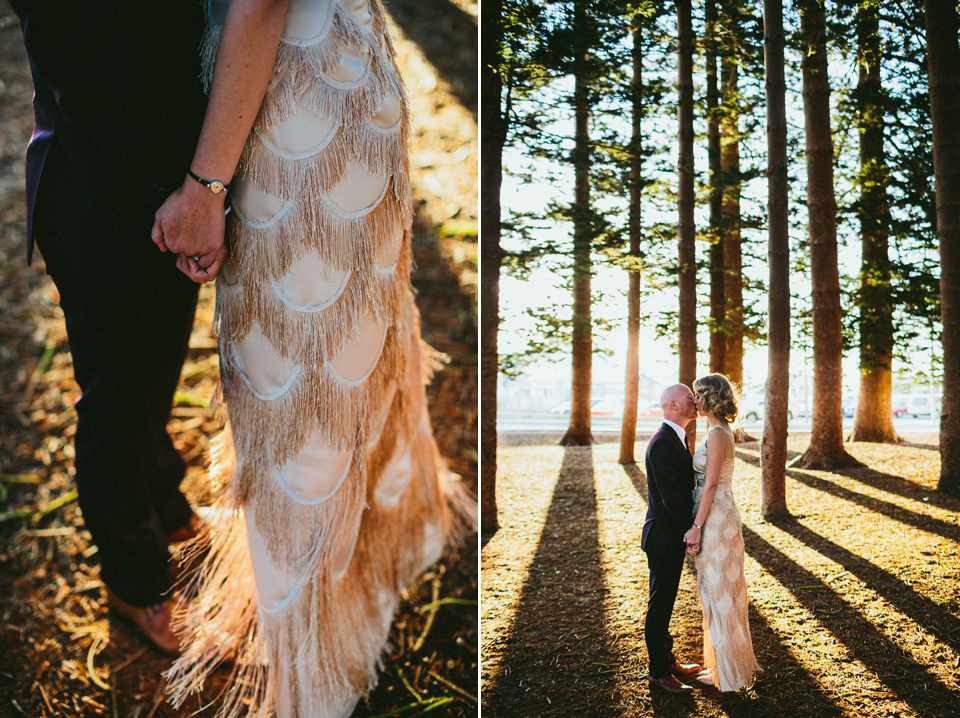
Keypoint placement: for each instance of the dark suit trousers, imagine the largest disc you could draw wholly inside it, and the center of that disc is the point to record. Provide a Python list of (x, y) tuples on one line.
[(129, 313), (665, 559)]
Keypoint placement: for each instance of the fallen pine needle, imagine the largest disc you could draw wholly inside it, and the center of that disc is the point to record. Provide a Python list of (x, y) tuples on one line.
[(15, 514), (443, 602), (54, 505), (157, 698), (130, 660), (427, 705), (97, 642), (452, 686), (408, 686), (431, 615), (20, 478), (182, 397), (40, 533), (46, 699)]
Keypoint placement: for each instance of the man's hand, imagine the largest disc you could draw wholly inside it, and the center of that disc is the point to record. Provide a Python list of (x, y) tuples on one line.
[(191, 224), (692, 539)]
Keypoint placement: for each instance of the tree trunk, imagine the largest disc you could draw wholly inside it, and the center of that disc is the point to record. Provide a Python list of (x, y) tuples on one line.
[(943, 59), (718, 309), (874, 420), (732, 259), (579, 433), (686, 230), (826, 449), (493, 135), (773, 448), (628, 430)]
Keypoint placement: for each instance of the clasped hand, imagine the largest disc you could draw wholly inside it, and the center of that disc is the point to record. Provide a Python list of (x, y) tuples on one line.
[(191, 224), (692, 539)]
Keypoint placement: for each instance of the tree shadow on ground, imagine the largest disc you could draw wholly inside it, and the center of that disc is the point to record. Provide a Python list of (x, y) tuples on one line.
[(897, 513), (780, 666), (560, 666), (638, 479), (922, 609), (898, 485), (864, 641), (485, 537), (448, 37), (921, 446)]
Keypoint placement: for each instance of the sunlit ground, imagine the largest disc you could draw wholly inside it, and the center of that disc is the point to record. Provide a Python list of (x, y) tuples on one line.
[(855, 603)]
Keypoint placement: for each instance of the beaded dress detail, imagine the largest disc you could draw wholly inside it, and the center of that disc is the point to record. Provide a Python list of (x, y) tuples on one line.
[(727, 646), (332, 495)]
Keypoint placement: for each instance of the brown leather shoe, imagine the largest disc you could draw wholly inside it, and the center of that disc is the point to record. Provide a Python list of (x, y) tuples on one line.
[(685, 670), (153, 621), (670, 684)]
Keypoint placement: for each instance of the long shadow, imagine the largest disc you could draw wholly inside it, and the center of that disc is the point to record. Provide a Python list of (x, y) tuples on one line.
[(899, 485), (638, 479), (448, 37), (897, 513), (485, 537), (932, 447), (783, 688), (865, 642), (919, 607), (559, 654)]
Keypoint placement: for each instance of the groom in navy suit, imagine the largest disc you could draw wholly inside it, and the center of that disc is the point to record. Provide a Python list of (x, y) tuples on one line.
[(670, 484), (118, 108)]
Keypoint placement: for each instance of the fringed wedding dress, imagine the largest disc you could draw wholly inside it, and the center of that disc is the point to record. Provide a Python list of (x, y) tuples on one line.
[(332, 495), (727, 646)]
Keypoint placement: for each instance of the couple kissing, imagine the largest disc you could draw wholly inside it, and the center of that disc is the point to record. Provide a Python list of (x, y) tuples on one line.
[(691, 511)]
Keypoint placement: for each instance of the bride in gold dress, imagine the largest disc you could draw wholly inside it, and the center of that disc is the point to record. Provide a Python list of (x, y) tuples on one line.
[(332, 495), (716, 538)]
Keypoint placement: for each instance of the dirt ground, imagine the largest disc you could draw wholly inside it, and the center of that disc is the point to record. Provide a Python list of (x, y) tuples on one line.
[(61, 652), (854, 600)]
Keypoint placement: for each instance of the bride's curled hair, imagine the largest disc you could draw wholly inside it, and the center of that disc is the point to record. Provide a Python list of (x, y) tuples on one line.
[(718, 396)]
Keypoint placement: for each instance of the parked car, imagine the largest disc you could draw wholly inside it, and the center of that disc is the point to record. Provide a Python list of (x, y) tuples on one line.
[(651, 411), (849, 406), (899, 405), (562, 408), (753, 412), (607, 407), (919, 405)]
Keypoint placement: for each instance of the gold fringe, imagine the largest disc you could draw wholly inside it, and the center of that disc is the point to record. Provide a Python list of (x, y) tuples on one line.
[(334, 628), (303, 537), (208, 54), (344, 243), (381, 153), (317, 400), (311, 338)]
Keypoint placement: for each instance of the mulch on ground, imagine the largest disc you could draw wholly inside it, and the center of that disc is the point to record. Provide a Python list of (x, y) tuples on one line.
[(854, 599), (61, 652)]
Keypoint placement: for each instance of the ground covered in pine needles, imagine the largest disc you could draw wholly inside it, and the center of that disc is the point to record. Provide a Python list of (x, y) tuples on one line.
[(61, 652), (854, 599)]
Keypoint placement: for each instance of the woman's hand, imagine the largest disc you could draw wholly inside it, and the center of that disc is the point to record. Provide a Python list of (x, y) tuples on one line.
[(692, 539), (191, 223)]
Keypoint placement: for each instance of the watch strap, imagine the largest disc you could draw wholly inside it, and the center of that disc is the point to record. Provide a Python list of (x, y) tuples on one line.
[(215, 186)]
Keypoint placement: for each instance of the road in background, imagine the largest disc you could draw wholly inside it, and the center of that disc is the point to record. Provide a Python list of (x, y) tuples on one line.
[(555, 422)]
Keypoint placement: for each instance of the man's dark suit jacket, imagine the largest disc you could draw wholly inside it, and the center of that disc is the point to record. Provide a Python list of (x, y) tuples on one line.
[(670, 484), (125, 108)]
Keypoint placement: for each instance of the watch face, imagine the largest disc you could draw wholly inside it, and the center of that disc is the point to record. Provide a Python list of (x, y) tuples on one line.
[(217, 187)]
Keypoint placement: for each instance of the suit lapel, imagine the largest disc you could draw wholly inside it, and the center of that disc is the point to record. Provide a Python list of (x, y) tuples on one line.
[(673, 435)]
